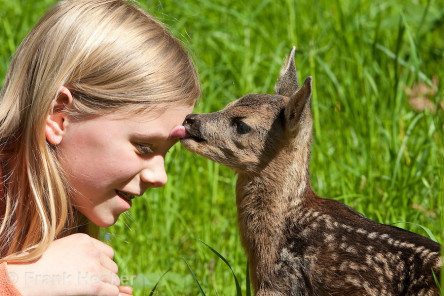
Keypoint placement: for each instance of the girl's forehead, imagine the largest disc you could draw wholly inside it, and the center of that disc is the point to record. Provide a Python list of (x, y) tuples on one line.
[(163, 125), (157, 123), (152, 114)]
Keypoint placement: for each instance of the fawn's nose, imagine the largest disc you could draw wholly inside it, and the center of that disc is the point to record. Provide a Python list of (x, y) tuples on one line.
[(192, 120), (193, 128)]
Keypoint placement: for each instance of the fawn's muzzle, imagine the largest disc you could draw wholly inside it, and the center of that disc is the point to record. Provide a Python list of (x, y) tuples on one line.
[(191, 119), (192, 126)]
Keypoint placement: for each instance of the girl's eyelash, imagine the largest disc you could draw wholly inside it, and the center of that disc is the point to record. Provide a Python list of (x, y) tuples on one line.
[(144, 149)]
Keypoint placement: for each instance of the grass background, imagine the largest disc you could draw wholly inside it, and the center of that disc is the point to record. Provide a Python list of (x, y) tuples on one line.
[(378, 123)]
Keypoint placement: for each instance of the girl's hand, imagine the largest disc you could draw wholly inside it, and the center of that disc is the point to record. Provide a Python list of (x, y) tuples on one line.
[(74, 265), (125, 291)]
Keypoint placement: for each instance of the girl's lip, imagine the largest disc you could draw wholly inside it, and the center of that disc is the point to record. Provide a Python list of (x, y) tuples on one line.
[(125, 195)]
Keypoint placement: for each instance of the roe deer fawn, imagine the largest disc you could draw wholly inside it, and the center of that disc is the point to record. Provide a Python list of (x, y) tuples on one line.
[(297, 242)]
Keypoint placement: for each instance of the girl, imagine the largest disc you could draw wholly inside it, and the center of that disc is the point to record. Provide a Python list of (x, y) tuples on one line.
[(94, 98)]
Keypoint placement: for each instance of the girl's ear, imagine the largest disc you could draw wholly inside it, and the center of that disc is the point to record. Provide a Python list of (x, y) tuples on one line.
[(56, 120)]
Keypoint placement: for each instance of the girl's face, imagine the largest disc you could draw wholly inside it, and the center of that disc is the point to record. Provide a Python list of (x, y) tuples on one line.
[(109, 160)]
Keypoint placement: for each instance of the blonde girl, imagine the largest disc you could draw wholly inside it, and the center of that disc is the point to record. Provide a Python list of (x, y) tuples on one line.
[(94, 98)]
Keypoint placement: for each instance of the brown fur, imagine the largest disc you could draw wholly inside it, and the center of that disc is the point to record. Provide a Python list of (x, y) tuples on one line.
[(297, 242)]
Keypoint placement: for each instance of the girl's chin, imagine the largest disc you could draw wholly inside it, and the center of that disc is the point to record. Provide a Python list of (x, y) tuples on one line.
[(101, 220), (106, 215), (105, 221)]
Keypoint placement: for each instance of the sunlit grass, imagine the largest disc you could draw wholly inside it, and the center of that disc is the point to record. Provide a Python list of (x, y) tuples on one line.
[(372, 150)]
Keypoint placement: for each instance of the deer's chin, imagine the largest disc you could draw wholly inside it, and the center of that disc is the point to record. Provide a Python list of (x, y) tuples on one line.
[(192, 144), (202, 148)]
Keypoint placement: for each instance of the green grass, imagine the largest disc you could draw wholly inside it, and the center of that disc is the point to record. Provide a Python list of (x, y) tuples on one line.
[(371, 149)]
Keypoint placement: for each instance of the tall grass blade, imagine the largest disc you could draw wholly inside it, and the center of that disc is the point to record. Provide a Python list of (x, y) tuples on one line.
[(400, 61), (437, 282), (423, 18), (238, 288), (401, 30), (155, 287), (247, 280), (403, 146), (194, 277)]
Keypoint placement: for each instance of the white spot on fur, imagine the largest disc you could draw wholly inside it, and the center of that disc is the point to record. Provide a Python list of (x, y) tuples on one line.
[(352, 250), (420, 249), (306, 216), (368, 259), (431, 256), (438, 263), (369, 290), (407, 245), (329, 238), (328, 222), (314, 226), (353, 280), (389, 273), (347, 227), (372, 235), (361, 231)]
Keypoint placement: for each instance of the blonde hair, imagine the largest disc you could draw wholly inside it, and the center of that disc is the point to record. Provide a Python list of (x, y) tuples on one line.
[(112, 56)]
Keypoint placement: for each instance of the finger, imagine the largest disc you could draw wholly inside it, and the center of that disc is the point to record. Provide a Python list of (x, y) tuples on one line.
[(124, 294), (109, 277), (101, 246), (108, 290), (108, 263), (126, 290)]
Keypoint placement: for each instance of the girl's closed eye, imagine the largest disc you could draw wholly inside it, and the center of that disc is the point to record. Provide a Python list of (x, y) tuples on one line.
[(144, 150)]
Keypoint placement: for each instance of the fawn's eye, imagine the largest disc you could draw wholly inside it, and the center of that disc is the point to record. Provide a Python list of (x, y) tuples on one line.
[(241, 127)]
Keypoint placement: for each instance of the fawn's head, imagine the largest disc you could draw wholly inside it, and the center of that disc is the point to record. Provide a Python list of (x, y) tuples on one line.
[(248, 133)]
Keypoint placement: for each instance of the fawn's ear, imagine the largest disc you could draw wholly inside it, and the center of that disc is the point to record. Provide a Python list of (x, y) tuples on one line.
[(299, 105), (287, 83), (56, 120)]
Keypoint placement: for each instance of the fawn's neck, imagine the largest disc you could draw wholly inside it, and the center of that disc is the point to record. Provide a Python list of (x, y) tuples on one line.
[(265, 198), (284, 181), (263, 202)]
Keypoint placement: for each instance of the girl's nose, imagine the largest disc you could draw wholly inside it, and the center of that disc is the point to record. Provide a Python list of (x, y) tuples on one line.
[(154, 175)]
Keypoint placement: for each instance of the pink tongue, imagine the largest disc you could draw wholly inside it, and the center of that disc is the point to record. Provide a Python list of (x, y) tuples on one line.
[(178, 132)]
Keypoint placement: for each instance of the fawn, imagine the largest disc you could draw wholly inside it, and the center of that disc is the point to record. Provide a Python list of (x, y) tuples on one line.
[(297, 242)]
